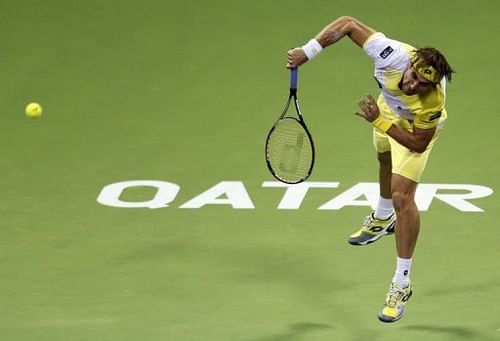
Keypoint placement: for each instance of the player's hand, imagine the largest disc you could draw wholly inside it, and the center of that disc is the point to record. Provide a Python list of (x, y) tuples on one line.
[(369, 108), (295, 58)]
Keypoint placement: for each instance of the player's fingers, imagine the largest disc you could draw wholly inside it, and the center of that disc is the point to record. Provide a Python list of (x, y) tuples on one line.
[(369, 105), (362, 104), (371, 100), (363, 99), (291, 52), (290, 64)]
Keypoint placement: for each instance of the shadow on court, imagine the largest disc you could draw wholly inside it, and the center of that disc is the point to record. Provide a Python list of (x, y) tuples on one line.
[(454, 332), (297, 331)]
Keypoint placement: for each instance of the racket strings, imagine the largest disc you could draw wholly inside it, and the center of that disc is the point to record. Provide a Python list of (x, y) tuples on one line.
[(290, 151)]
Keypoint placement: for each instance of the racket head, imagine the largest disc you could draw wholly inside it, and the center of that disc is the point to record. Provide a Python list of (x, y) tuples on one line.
[(290, 151)]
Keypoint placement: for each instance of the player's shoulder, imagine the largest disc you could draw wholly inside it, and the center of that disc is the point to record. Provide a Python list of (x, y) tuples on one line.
[(431, 110), (434, 101), (435, 98), (386, 52)]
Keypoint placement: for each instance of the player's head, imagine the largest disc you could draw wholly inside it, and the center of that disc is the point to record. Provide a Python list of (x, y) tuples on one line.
[(427, 67)]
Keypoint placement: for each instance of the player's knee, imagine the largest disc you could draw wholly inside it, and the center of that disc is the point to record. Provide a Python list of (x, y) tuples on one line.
[(402, 201)]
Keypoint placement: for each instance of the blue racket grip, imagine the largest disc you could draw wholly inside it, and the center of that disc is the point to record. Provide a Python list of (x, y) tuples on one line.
[(293, 78)]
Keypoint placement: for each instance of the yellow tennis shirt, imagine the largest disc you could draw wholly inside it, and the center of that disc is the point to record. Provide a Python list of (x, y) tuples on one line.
[(392, 59)]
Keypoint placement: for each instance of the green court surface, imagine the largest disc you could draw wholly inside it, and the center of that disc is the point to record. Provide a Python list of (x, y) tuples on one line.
[(185, 92)]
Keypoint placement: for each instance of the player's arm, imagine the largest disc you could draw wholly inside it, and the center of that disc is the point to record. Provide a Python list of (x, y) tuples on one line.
[(416, 141), (344, 26), (338, 29)]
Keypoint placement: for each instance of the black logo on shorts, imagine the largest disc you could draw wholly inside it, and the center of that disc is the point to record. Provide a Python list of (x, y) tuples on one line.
[(405, 272), (388, 50), (436, 115)]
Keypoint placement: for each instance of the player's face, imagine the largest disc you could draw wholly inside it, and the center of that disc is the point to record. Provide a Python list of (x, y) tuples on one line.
[(414, 84)]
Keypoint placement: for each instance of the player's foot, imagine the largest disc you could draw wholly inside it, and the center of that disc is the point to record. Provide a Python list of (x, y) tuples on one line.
[(395, 302), (373, 229)]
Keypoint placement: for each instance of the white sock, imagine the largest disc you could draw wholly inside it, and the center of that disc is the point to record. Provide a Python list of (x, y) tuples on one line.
[(384, 208), (402, 274)]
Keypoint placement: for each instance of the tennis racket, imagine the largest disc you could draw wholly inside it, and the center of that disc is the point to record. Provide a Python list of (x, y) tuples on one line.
[(289, 145)]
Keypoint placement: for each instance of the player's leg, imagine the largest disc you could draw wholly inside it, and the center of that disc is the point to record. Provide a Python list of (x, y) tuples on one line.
[(403, 197), (382, 221), (408, 227), (385, 174), (385, 208), (407, 170)]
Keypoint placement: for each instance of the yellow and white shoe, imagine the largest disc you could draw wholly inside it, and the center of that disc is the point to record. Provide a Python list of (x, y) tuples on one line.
[(395, 302), (373, 229)]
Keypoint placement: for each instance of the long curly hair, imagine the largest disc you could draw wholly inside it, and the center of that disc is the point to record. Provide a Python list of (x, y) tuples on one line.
[(432, 57)]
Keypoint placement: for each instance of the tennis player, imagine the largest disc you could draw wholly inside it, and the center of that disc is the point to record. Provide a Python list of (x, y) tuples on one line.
[(407, 118)]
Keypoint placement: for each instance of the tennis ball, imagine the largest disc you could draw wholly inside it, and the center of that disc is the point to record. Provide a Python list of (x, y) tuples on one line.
[(33, 110)]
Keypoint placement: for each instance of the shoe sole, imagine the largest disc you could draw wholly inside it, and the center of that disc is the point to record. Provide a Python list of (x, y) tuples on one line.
[(381, 319)]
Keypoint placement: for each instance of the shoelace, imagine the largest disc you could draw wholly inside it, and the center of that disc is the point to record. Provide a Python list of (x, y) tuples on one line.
[(393, 296), (368, 221)]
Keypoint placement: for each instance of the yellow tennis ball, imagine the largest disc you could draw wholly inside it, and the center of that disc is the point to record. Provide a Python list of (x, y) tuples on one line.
[(33, 110)]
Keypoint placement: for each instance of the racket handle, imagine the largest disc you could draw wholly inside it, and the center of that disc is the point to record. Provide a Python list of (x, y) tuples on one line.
[(293, 78)]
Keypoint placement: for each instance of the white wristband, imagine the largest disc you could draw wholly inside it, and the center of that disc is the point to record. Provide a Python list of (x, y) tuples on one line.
[(312, 48)]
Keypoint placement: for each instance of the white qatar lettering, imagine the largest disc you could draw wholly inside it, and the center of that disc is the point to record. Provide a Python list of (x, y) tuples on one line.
[(165, 193), (295, 194), (426, 192), (350, 197), (235, 192)]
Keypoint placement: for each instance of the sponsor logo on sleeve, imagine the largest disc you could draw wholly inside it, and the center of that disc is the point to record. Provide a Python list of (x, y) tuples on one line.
[(387, 51)]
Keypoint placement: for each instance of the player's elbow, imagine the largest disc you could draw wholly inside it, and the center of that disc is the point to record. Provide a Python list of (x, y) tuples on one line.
[(422, 145), (419, 148), (347, 23), (353, 28), (346, 19)]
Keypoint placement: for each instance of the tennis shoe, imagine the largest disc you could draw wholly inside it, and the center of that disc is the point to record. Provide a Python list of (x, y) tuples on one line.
[(373, 229), (395, 303)]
